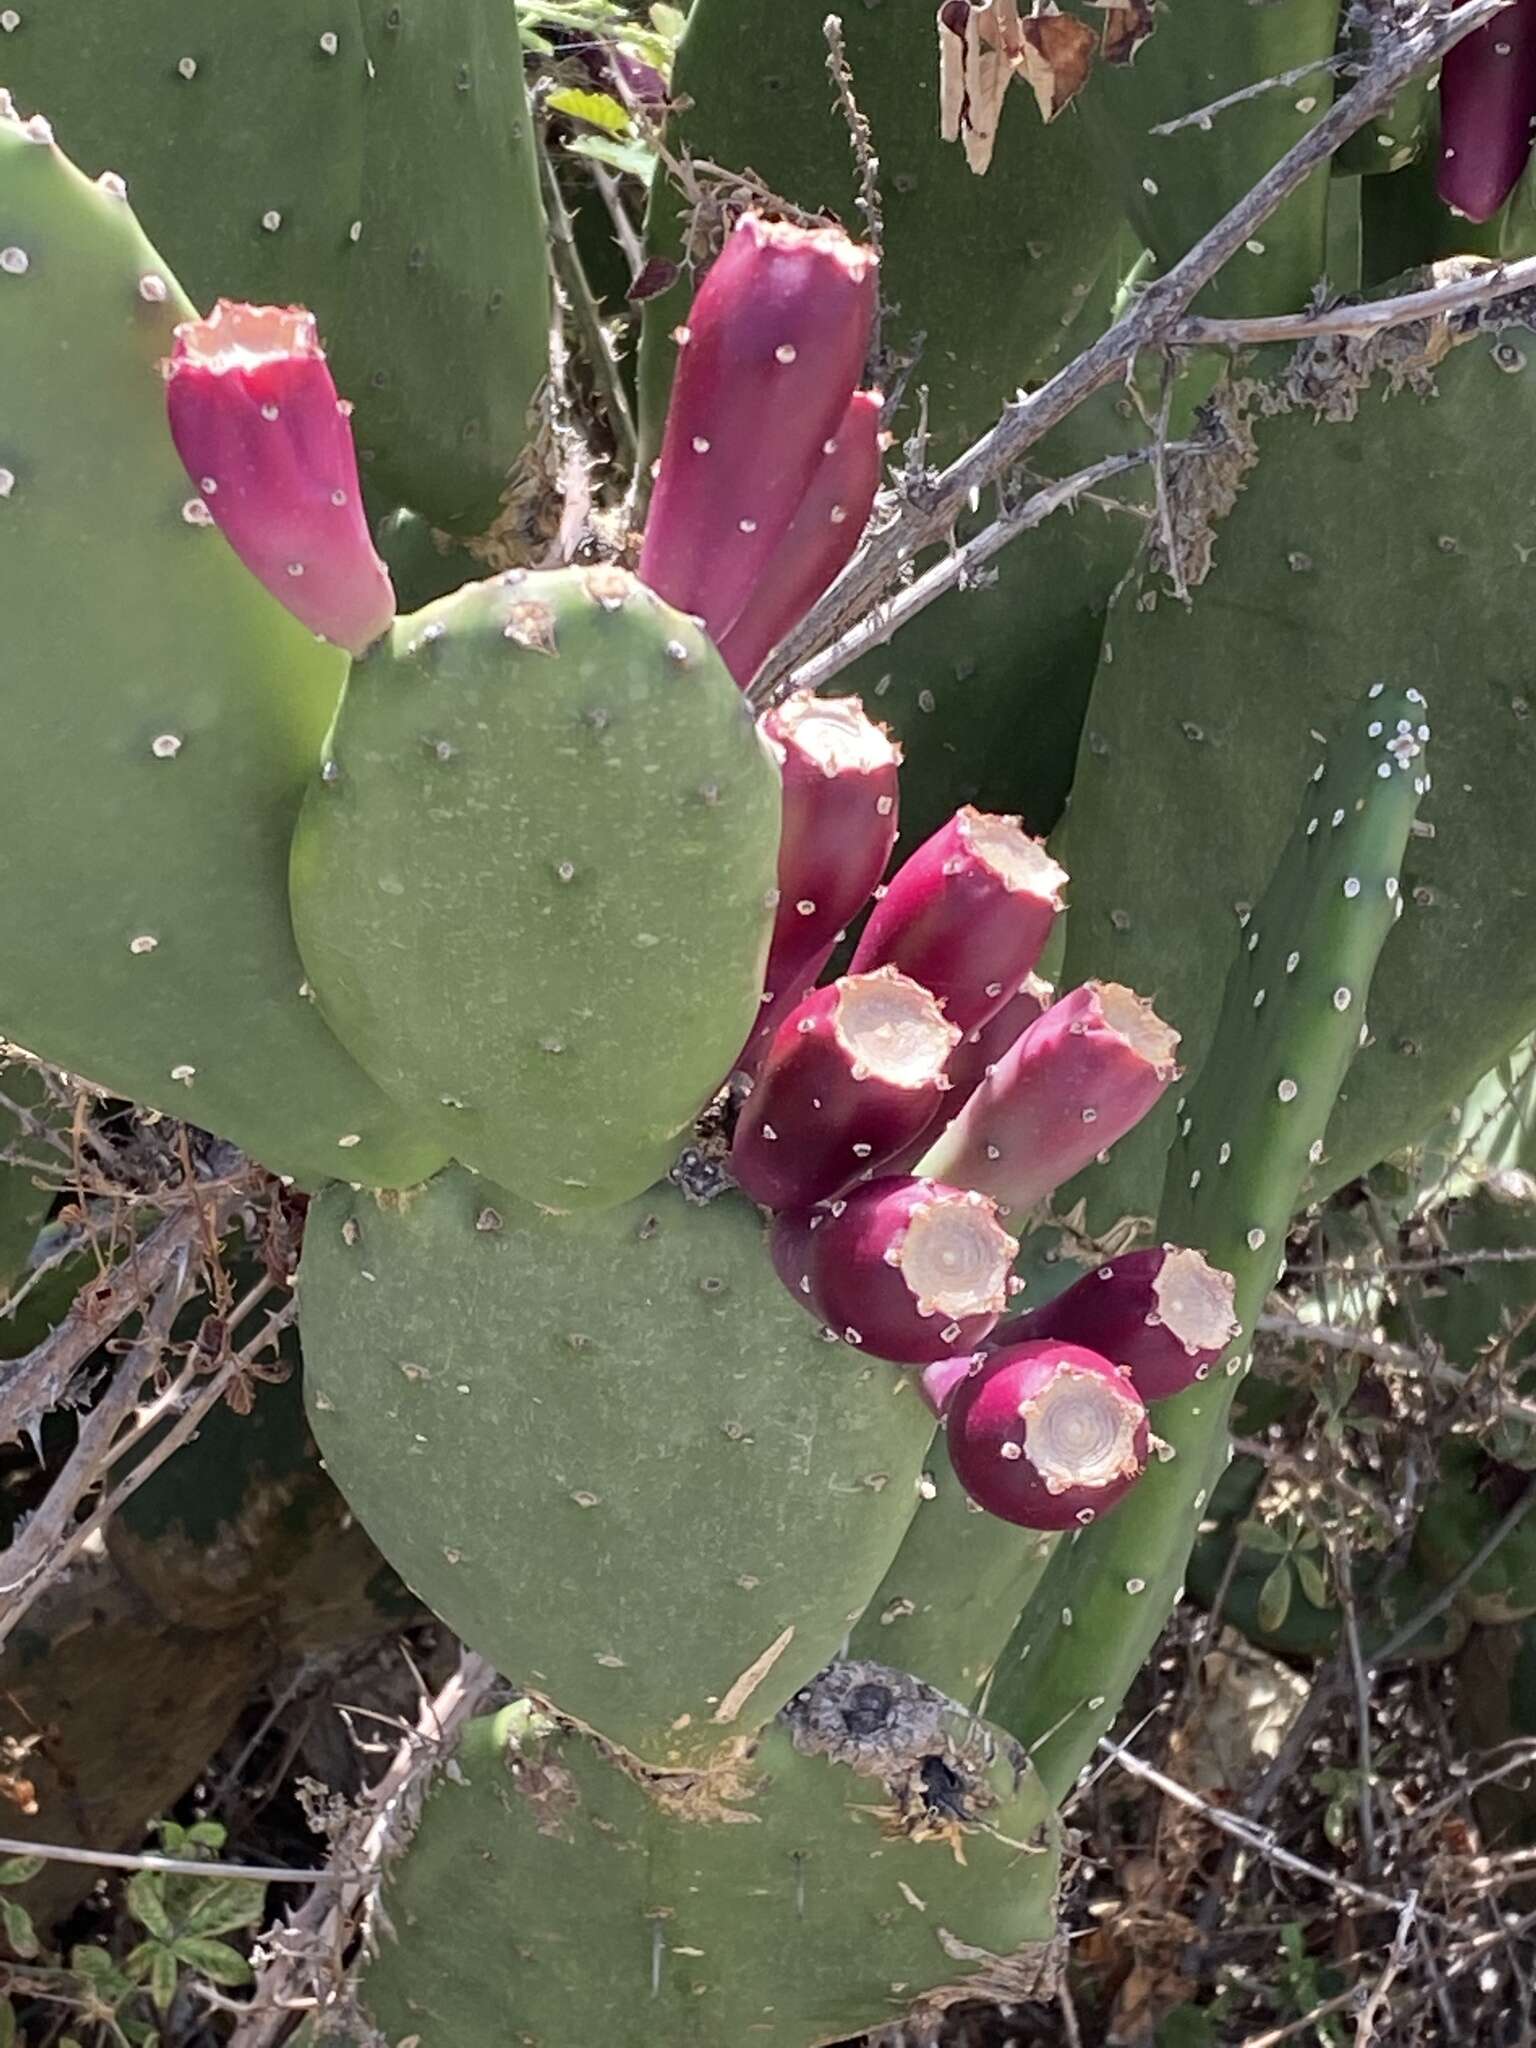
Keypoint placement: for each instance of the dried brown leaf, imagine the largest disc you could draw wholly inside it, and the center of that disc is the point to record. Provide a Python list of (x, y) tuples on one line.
[(974, 74), (1056, 54), (1127, 24)]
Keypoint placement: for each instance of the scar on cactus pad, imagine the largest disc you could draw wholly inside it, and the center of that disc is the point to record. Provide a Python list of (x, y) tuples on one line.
[(256, 420)]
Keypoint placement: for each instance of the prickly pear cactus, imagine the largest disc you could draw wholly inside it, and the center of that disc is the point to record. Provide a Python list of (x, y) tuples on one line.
[(443, 336), (609, 1450), (533, 880), (267, 101), (886, 1851), (1292, 1016), (150, 949), (1306, 525)]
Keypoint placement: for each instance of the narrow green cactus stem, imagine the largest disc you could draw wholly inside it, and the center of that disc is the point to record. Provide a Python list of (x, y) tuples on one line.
[(1292, 1015)]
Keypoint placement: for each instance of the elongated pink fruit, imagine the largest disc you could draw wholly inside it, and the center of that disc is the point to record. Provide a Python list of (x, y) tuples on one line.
[(820, 541), (852, 1075), (257, 423), (1163, 1314), (906, 1269), (1047, 1435), (1082, 1074), (841, 811), (975, 1057), (770, 359), (967, 915), (1487, 105)]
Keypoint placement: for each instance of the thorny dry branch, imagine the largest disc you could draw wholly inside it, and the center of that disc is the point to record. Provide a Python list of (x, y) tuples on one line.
[(930, 513)]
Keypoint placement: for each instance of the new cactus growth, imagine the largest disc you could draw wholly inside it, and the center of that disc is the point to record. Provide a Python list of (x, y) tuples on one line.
[(906, 1269), (1487, 106), (267, 444), (841, 811), (1163, 1314), (533, 878), (771, 355), (852, 1075), (1082, 1075), (1047, 1434), (968, 915)]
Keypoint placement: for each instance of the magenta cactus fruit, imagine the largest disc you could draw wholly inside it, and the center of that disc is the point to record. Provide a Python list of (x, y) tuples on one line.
[(937, 1382), (268, 445), (768, 364), (841, 810), (1083, 1073), (1487, 105), (975, 1057), (852, 1075), (906, 1269), (820, 540), (1048, 1435), (967, 915), (1163, 1314)]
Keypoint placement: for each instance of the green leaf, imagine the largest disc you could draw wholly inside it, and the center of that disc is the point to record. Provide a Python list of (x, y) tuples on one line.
[(207, 1834), (162, 1979), (668, 22), (597, 109), (1262, 1536), (98, 1969), (140, 1960), (21, 1869), (231, 1902), (1275, 1597), (7, 2024), (1313, 1584), (632, 158), (19, 1931), (146, 1902), (215, 1960), (1336, 1822)]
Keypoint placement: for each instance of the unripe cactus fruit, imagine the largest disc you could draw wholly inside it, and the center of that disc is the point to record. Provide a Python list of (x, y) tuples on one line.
[(268, 444), (820, 541), (1163, 1314), (1047, 1435), (770, 359), (1082, 1074), (853, 1074), (841, 812), (903, 1268), (1487, 104), (967, 915)]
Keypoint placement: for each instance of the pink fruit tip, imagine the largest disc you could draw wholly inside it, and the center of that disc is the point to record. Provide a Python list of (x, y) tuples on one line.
[(262, 434), (937, 1382), (1047, 1435)]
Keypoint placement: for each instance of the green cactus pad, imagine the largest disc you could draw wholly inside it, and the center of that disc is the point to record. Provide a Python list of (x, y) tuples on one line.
[(1294, 1008), (830, 1889), (534, 880), (1325, 571), (444, 335), (1177, 186), (609, 1450), (164, 706), (238, 128), (954, 1590)]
